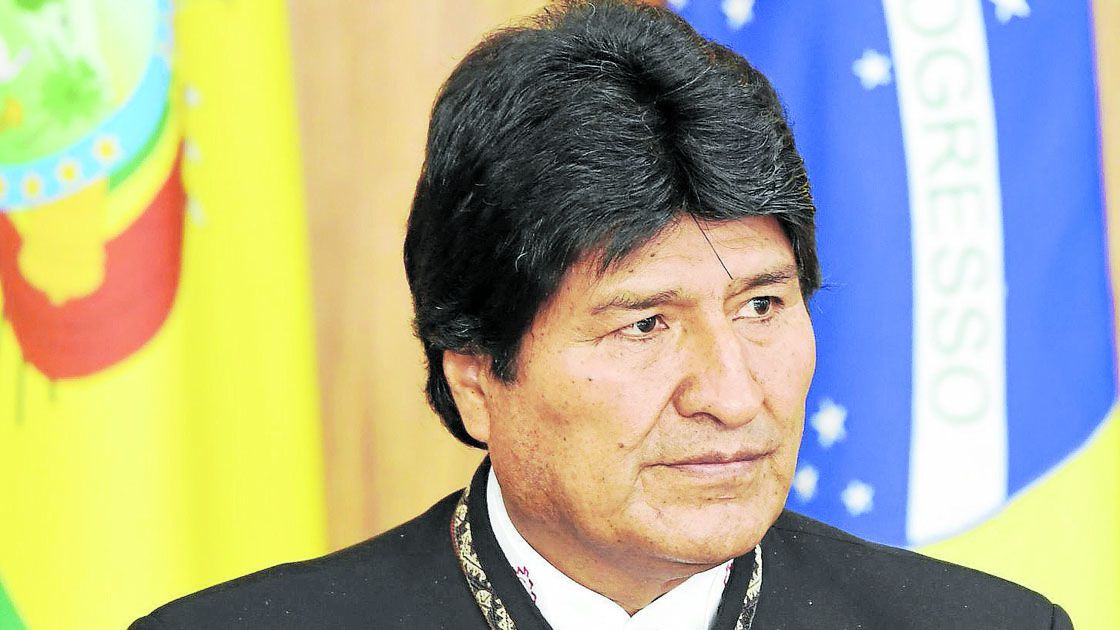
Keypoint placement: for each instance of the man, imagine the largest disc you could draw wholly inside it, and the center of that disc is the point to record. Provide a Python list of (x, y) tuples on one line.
[(610, 252)]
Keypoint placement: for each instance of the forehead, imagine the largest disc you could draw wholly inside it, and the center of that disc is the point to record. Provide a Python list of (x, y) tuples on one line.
[(687, 252)]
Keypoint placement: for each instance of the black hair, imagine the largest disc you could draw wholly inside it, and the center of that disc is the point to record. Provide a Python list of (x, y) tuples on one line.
[(585, 132)]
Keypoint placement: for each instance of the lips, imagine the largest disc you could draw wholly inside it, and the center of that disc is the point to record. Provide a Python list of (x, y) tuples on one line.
[(717, 458), (720, 463)]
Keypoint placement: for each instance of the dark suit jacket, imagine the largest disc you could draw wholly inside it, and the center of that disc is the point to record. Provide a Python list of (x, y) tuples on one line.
[(813, 577)]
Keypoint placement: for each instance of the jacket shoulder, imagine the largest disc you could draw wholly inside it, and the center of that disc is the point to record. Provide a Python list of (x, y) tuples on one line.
[(813, 572), (405, 577)]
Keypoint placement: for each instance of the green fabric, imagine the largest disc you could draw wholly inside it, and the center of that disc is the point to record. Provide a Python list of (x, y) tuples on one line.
[(9, 620)]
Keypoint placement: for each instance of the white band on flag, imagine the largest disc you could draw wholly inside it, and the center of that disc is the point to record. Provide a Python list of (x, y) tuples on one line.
[(958, 444)]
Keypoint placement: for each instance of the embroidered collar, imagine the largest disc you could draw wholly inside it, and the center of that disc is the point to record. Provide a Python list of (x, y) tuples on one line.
[(472, 533)]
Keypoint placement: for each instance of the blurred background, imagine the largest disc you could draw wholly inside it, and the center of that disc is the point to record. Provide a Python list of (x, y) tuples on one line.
[(206, 358)]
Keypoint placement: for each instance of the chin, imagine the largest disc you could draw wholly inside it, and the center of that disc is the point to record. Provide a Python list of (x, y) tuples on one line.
[(717, 535), (710, 552)]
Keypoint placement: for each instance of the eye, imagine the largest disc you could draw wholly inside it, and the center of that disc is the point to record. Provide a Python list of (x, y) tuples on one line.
[(760, 308), (643, 327)]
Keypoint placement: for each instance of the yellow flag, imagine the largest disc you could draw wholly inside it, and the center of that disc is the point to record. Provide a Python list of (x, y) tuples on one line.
[(158, 412), (1080, 568)]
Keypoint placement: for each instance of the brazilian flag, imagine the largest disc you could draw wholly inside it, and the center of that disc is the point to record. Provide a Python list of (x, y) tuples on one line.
[(966, 375)]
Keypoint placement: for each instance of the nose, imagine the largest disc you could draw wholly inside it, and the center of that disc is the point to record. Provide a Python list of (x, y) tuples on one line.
[(718, 379)]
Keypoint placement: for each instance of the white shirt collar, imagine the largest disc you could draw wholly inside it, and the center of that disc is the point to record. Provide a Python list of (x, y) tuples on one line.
[(568, 605)]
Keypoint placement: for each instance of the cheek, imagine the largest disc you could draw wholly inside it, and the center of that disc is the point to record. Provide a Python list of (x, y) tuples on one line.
[(615, 398), (795, 350), (809, 350), (555, 422), (785, 370), (571, 438)]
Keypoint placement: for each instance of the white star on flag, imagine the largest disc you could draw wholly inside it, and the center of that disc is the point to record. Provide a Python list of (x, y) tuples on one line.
[(805, 482), (1007, 9), (828, 422), (858, 497), (678, 5), (873, 69), (738, 12)]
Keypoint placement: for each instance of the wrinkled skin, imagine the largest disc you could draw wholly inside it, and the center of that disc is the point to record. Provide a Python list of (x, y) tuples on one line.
[(651, 431)]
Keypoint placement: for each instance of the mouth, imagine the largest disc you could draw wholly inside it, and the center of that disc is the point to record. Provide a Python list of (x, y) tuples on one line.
[(717, 464)]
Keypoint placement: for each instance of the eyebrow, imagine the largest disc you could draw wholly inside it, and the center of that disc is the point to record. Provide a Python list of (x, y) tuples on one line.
[(781, 275), (630, 301)]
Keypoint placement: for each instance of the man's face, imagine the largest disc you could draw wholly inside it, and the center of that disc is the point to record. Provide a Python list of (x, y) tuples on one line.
[(657, 409)]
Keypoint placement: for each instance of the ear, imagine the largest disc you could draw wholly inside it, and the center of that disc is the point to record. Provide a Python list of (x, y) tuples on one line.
[(466, 375)]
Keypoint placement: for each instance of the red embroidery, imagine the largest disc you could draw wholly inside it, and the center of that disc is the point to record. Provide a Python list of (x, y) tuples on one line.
[(523, 575)]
